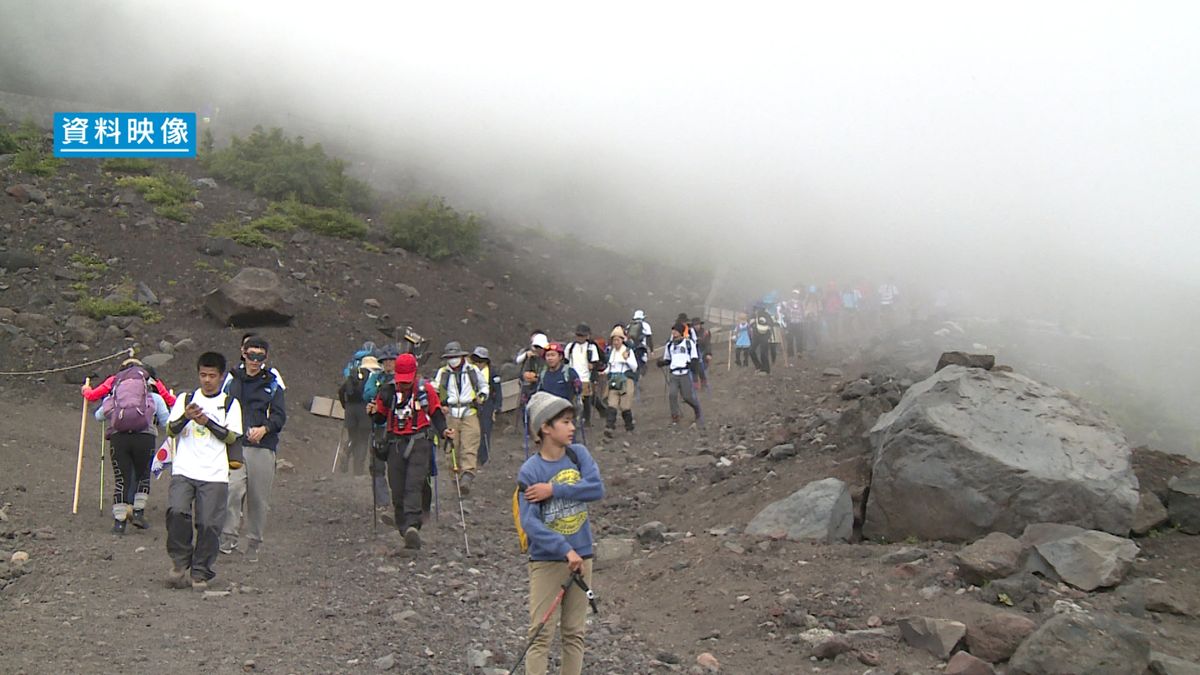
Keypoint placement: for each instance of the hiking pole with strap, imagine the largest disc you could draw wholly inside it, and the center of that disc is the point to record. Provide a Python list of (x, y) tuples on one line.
[(371, 483), (558, 598), (462, 513), (577, 579), (102, 430), (87, 382), (433, 478), (525, 423)]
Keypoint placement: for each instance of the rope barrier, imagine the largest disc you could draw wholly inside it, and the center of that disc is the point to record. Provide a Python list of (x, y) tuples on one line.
[(124, 352)]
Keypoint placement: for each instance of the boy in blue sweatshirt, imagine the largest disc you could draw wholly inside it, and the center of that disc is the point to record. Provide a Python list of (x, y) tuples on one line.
[(555, 485)]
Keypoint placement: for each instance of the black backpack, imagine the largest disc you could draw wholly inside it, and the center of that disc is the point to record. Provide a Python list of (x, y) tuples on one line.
[(351, 390)]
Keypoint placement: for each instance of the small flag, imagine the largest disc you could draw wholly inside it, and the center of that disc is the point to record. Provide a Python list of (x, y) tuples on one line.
[(162, 457)]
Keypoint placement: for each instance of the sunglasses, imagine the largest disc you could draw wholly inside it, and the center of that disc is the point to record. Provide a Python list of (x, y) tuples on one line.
[(256, 357)]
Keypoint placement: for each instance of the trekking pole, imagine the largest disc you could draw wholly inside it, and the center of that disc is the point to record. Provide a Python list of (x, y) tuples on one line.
[(371, 483), (337, 452), (103, 424), (458, 487), (433, 479), (575, 580), (525, 423), (79, 461), (729, 362)]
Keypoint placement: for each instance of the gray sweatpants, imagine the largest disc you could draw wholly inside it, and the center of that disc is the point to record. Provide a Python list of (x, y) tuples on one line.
[(207, 501), (681, 385), (249, 492)]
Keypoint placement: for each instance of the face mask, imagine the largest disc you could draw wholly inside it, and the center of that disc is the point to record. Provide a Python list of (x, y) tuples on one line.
[(457, 362)]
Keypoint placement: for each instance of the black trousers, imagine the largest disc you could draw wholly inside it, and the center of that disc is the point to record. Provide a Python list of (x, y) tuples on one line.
[(132, 454), (760, 354), (408, 465), (358, 428)]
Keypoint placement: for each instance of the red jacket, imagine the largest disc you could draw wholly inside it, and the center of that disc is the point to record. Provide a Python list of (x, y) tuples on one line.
[(420, 415), (96, 393)]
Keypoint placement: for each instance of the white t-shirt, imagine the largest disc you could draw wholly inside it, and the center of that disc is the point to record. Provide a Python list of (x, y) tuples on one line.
[(580, 355), (198, 454)]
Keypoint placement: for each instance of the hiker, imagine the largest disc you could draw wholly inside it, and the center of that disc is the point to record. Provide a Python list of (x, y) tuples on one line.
[(264, 415), (367, 349), (242, 364), (378, 468), (812, 318), (851, 298), (412, 412), (683, 364), (622, 368), (463, 390), (205, 424), (741, 340), (703, 338), (760, 339), (537, 341), (793, 313), (889, 295), (558, 379), (583, 356), (481, 359), (831, 310), (640, 338), (131, 413), (97, 393), (554, 487), (357, 423)]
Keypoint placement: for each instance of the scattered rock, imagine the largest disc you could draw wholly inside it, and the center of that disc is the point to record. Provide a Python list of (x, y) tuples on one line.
[(781, 451), (993, 557), (1090, 560), (16, 260), (708, 663), (820, 511), (479, 658), (831, 647), (157, 360), (832, 372), (217, 246), (205, 183), (1150, 514), (185, 345), (1162, 664), (652, 532), (144, 295), (936, 636), (1001, 447), (1183, 502), (963, 663), (64, 211), (408, 291), (372, 303), (984, 361), (996, 637), (19, 558), (1155, 595), (904, 555), (1082, 643), (26, 193), (255, 297), (385, 662), (856, 389), (611, 550)]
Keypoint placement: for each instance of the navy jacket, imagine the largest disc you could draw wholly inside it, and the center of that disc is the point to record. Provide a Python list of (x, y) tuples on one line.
[(262, 401)]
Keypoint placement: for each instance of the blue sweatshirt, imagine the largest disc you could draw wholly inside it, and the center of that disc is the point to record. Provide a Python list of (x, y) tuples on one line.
[(560, 523)]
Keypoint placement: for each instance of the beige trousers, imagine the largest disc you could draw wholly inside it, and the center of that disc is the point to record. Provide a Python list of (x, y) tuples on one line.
[(466, 442), (545, 581)]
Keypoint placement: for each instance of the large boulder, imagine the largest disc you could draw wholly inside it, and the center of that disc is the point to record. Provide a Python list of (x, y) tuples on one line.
[(1183, 502), (1089, 560), (1084, 644), (820, 511), (996, 637), (970, 451), (255, 297), (1150, 514), (993, 557)]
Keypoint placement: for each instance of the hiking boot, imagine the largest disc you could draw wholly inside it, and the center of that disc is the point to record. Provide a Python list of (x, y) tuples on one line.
[(608, 432), (118, 527), (139, 519), (252, 553), (199, 585), (412, 538), (465, 483), (177, 578), (226, 548)]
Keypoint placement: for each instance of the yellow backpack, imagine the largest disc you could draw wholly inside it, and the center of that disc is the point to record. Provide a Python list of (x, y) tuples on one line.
[(523, 538)]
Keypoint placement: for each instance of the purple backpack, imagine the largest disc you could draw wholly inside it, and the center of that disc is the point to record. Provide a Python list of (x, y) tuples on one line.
[(130, 407)]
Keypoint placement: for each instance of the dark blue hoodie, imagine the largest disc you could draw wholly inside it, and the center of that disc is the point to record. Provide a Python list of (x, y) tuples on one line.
[(261, 398)]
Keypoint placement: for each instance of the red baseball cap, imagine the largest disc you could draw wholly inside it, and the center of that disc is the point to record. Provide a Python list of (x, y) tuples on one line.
[(555, 347), (406, 368)]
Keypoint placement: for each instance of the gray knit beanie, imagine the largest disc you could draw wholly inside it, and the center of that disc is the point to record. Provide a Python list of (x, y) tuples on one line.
[(542, 408)]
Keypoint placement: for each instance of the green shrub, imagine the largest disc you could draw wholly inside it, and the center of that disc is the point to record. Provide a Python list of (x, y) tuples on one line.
[(435, 230), (169, 188), (327, 221), (178, 212), (246, 234), (98, 308), (130, 165), (8, 144), (32, 159), (277, 167)]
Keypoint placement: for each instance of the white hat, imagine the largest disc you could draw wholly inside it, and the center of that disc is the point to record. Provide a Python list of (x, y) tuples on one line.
[(639, 315), (540, 340)]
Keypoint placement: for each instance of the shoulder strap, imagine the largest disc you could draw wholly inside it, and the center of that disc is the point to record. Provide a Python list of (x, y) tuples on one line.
[(443, 385), (573, 456)]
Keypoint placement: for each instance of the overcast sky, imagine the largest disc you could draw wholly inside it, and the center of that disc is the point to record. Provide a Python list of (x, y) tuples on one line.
[(842, 138)]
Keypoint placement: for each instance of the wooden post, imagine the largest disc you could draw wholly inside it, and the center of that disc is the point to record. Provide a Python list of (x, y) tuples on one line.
[(79, 462)]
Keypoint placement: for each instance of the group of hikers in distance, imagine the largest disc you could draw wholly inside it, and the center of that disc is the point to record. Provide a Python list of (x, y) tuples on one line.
[(223, 437)]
